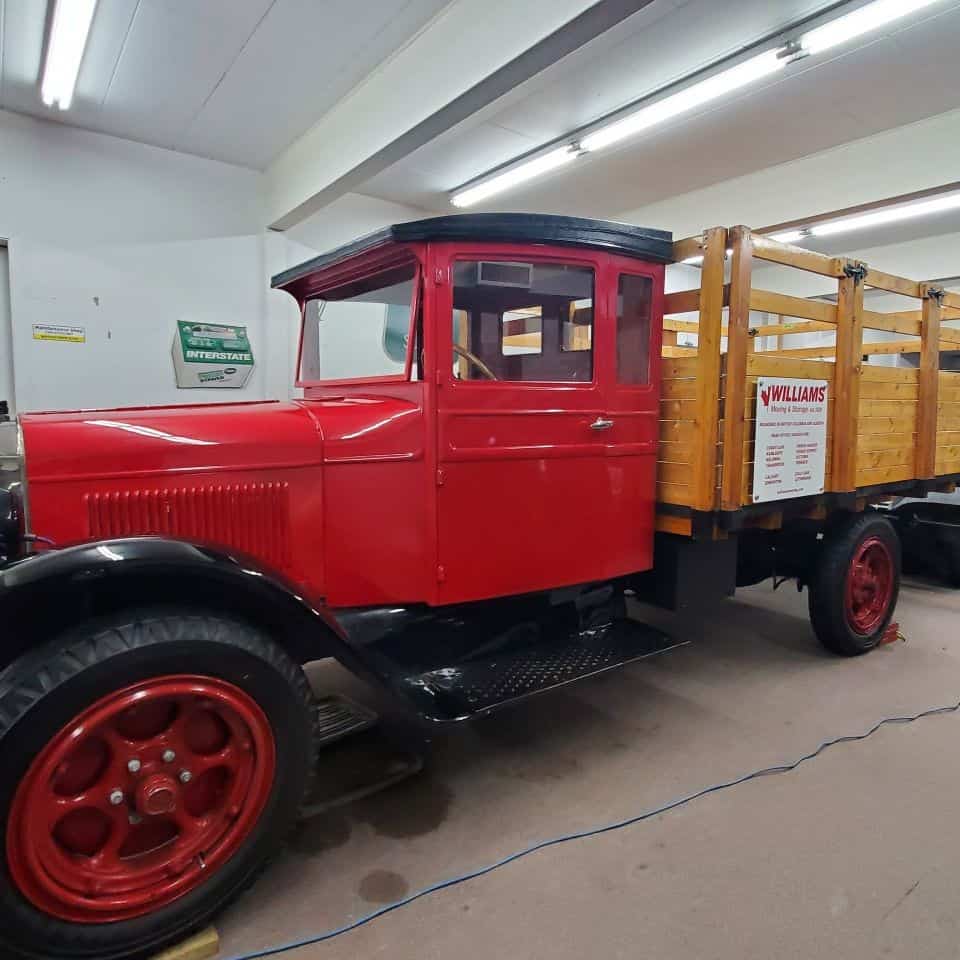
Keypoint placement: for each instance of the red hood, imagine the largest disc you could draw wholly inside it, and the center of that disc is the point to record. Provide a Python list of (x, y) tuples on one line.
[(245, 476), (162, 442)]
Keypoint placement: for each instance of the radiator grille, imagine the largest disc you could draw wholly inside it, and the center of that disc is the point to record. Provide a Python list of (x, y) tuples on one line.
[(251, 517)]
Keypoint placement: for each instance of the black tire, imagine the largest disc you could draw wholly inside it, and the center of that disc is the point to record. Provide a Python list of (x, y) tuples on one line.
[(44, 690), (828, 584)]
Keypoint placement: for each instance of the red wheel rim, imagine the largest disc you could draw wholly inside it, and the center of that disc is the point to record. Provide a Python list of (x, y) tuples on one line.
[(869, 586), (140, 799)]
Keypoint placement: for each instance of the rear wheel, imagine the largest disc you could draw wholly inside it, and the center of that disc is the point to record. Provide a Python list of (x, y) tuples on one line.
[(151, 764), (853, 591)]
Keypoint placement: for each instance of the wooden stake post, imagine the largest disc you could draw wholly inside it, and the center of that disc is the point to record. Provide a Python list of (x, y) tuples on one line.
[(704, 465), (846, 384), (926, 449), (738, 345)]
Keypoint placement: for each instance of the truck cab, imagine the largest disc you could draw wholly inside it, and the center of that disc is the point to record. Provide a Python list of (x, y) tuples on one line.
[(487, 389)]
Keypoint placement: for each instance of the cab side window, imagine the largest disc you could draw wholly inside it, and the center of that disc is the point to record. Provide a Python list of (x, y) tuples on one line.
[(522, 322), (634, 299)]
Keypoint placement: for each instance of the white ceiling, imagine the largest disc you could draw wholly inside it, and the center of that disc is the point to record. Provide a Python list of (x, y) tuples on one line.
[(902, 75), (234, 80)]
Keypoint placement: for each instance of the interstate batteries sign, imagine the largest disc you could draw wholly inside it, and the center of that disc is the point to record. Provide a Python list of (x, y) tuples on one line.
[(790, 454), (211, 355)]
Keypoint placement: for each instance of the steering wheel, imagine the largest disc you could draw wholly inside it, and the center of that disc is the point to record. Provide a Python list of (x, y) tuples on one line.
[(476, 361)]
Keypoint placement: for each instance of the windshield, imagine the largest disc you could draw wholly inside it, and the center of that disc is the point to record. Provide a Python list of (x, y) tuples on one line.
[(362, 334)]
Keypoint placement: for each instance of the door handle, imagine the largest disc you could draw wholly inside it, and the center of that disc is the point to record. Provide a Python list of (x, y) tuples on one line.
[(601, 424)]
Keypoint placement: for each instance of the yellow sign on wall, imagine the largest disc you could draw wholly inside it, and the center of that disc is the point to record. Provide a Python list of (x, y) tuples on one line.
[(55, 331)]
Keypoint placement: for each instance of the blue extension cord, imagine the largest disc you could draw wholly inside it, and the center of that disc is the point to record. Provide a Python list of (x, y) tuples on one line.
[(541, 845)]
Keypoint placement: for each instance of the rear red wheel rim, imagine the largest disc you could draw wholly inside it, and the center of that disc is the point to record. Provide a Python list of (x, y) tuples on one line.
[(869, 588), (140, 799)]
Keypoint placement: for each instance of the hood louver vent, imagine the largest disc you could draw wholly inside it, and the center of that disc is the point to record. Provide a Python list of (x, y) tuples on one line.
[(250, 517)]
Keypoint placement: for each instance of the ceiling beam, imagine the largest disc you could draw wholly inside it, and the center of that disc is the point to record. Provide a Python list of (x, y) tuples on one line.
[(470, 55)]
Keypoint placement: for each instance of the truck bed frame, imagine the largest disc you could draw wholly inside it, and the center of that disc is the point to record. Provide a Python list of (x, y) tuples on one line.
[(891, 430)]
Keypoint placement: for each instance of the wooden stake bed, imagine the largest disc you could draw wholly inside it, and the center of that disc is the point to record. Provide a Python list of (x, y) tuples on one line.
[(891, 430)]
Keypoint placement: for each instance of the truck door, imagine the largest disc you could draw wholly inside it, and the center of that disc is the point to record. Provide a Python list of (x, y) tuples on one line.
[(545, 460)]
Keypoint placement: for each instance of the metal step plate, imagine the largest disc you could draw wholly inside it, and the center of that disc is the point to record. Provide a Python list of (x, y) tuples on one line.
[(480, 685), (340, 717)]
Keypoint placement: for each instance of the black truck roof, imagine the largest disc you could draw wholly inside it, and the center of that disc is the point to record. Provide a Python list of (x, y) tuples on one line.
[(624, 238)]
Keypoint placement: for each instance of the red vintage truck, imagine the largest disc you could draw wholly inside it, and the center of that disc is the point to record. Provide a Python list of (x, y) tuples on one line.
[(455, 515)]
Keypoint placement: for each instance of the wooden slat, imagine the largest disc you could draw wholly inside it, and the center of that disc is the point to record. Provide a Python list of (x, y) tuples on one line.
[(891, 322), (950, 452), (887, 390), (873, 371), (673, 472), (873, 442), (679, 390), (790, 329), (892, 283), (679, 367), (901, 425), (800, 353), (899, 456), (667, 523), (678, 493), (846, 383), (951, 300), (680, 409), (670, 352), (887, 474), (675, 451), (886, 407), (684, 326), (767, 301), (870, 349), (688, 247), (770, 365), (766, 249), (948, 421), (681, 301), (703, 468), (678, 431), (738, 324), (927, 412)]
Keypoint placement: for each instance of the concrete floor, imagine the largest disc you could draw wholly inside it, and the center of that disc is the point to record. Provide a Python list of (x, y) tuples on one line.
[(854, 855)]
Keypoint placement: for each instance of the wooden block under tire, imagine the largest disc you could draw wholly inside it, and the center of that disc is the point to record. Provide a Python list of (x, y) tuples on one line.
[(203, 945)]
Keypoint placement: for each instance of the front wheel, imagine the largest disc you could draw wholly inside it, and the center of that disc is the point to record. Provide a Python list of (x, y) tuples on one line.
[(152, 762), (855, 584)]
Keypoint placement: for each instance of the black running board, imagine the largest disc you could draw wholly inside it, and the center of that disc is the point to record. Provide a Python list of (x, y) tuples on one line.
[(480, 686)]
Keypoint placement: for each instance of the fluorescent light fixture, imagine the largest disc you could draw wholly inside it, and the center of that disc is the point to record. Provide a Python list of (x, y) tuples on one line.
[(923, 208), (694, 96), (518, 174), (68, 40), (695, 260), (855, 24), (870, 17), (788, 236)]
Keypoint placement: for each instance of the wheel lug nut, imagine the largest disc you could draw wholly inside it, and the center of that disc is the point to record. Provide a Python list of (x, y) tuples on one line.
[(169, 756), (134, 766), (116, 798), (185, 776)]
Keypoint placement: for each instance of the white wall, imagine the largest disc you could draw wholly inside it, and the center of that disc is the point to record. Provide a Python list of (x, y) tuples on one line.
[(913, 157), (6, 333), (124, 239)]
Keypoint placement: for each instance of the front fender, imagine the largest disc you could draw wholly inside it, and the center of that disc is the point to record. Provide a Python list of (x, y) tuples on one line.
[(46, 592)]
